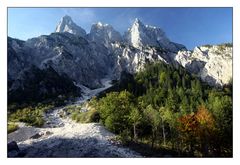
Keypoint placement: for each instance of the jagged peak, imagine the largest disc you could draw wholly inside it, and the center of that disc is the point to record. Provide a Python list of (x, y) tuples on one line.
[(104, 33), (66, 17), (66, 20), (101, 25), (138, 22), (67, 25)]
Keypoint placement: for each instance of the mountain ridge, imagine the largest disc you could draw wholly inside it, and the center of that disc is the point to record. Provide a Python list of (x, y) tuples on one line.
[(88, 57)]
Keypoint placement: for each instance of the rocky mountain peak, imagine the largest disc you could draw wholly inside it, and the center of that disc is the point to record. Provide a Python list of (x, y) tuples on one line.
[(138, 23), (67, 18), (103, 51), (140, 35), (67, 25), (101, 25), (104, 33)]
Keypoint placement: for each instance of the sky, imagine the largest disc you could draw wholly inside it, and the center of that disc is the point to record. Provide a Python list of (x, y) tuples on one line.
[(188, 26)]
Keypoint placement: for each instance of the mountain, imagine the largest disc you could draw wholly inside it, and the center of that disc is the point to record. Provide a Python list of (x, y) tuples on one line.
[(104, 34), (83, 61), (140, 35), (67, 25), (212, 63), (132, 60), (36, 84), (87, 58)]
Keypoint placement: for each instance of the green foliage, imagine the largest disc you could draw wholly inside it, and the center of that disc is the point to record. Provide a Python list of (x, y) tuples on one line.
[(86, 117), (11, 127), (39, 85), (147, 109), (31, 115), (114, 110)]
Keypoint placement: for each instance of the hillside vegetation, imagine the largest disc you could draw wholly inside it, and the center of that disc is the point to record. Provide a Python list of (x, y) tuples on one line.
[(168, 109)]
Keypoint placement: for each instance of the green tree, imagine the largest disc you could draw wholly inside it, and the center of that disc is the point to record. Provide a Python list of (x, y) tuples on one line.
[(135, 118), (153, 117), (115, 109)]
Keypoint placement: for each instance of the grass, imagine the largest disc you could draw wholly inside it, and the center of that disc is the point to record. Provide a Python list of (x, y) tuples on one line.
[(11, 127)]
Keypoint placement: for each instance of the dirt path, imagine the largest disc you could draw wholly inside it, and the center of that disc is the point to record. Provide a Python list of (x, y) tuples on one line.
[(65, 138)]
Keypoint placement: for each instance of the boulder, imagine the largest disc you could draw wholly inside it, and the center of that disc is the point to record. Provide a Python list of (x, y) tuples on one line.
[(12, 146), (37, 135), (13, 150)]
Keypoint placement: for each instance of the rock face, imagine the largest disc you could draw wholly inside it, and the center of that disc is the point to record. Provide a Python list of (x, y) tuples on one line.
[(67, 25), (140, 35), (212, 63), (88, 58), (17, 57), (133, 60), (83, 61), (104, 34)]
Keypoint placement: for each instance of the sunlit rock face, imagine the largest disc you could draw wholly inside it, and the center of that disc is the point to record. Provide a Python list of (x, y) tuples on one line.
[(140, 35), (212, 63), (67, 25), (104, 34)]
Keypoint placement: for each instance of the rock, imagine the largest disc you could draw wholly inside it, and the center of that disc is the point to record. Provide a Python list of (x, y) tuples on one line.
[(140, 35), (213, 64), (13, 150), (85, 59), (67, 25), (48, 133), (12, 154), (37, 135), (12, 146), (104, 34)]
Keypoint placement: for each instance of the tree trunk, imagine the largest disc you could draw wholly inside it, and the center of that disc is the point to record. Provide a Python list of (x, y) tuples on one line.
[(134, 132), (153, 138), (164, 135), (206, 150)]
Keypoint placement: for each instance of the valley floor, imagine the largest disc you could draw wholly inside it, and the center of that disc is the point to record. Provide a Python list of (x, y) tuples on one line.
[(69, 139), (62, 137)]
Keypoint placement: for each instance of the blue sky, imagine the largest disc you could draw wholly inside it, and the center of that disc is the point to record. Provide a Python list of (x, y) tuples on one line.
[(189, 26)]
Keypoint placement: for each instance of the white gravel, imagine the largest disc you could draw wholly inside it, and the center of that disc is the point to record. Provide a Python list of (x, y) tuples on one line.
[(66, 138)]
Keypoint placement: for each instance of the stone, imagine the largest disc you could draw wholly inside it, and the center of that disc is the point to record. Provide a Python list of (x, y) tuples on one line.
[(37, 135), (13, 150), (12, 146), (48, 133)]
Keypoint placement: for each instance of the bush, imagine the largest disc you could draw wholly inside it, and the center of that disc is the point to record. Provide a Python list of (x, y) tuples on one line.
[(32, 116), (11, 127), (86, 117)]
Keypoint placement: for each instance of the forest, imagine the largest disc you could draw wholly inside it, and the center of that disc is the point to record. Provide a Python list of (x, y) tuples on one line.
[(165, 108)]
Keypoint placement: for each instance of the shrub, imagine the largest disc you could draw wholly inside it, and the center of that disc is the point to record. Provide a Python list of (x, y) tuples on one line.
[(86, 117), (32, 116), (11, 127)]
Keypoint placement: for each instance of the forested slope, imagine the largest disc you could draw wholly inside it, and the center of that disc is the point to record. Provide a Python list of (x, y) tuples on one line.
[(167, 108)]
